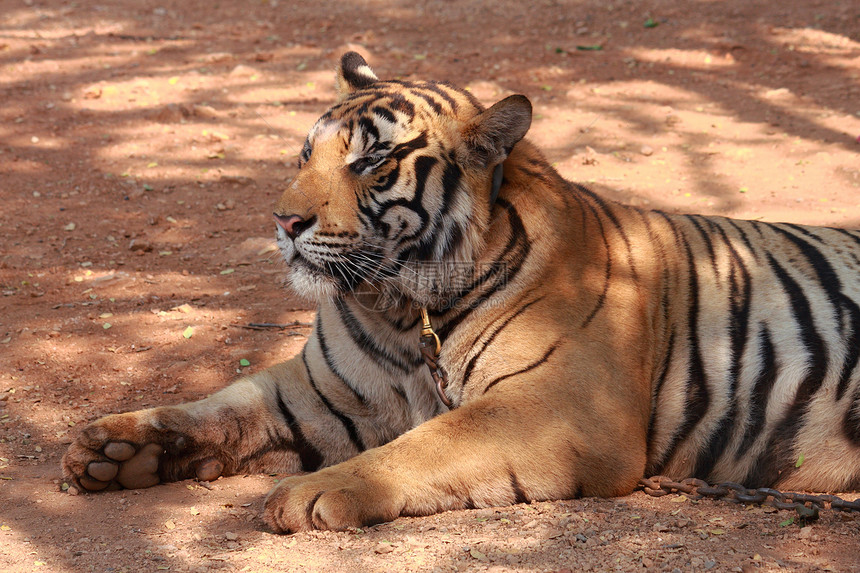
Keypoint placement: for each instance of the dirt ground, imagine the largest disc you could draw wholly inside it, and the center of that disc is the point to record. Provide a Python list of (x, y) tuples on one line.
[(143, 144)]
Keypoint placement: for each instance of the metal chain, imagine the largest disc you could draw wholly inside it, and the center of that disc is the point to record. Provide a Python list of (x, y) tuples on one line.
[(806, 505)]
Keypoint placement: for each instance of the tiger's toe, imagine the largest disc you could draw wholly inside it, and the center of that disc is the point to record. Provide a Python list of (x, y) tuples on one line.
[(326, 500)]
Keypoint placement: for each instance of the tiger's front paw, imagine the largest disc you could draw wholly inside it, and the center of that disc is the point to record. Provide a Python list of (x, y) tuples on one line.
[(134, 450), (328, 499)]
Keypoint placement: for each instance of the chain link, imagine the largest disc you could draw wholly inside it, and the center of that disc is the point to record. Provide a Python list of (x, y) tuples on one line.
[(806, 505)]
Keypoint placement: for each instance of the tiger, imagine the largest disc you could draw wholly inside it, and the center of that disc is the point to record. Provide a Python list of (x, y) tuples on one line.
[(488, 333)]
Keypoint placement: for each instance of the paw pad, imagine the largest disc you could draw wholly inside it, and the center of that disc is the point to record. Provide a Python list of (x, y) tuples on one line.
[(119, 451), (209, 469), (141, 470), (102, 471)]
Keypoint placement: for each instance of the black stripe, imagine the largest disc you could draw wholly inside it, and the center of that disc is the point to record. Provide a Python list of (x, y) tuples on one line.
[(710, 454), (517, 488), (758, 400), (850, 234), (607, 211), (706, 239), (384, 113), (744, 237), (495, 277), (451, 176), (437, 107), (843, 305), (601, 298), (367, 344), (447, 233), (405, 149), (329, 361), (465, 93), (423, 165), (804, 231), (368, 128), (760, 227), (384, 184), (309, 456), (534, 174), (665, 277), (422, 168), (740, 291), (348, 424), (471, 365), (812, 340), (231, 414), (434, 87), (402, 323), (740, 297), (697, 396), (852, 345), (401, 104), (851, 421), (828, 280), (454, 239), (777, 460), (400, 391), (275, 443), (654, 468), (531, 366)]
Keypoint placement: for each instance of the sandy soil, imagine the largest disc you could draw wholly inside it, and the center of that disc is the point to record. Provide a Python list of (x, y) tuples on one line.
[(142, 145)]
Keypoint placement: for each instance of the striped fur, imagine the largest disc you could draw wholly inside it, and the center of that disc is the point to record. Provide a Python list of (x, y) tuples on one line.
[(586, 343)]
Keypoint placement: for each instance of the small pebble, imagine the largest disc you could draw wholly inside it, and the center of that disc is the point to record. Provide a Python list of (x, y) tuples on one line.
[(646, 150), (140, 245), (230, 536), (383, 548), (242, 71), (204, 111)]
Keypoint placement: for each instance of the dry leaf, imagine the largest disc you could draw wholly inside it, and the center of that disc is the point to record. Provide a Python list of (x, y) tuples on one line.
[(478, 555)]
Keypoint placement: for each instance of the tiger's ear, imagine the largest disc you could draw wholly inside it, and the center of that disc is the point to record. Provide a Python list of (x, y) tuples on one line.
[(353, 74), (492, 134)]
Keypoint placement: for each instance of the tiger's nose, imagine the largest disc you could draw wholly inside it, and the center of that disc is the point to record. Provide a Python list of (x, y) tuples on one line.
[(293, 224)]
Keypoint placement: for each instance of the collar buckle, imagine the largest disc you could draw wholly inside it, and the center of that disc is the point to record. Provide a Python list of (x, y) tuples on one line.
[(430, 347)]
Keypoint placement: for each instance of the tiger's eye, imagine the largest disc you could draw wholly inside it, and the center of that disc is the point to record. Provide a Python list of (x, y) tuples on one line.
[(305, 154), (366, 163)]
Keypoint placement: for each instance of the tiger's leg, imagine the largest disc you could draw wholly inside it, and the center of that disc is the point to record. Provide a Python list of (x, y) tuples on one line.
[(497, 450), (272, 421)]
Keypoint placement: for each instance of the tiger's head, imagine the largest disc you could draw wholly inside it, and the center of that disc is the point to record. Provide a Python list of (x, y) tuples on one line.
[(398, 176)]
